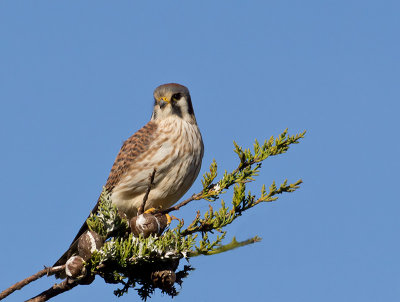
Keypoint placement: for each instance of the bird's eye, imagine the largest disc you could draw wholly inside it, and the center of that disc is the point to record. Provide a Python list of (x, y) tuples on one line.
[(176, 96)]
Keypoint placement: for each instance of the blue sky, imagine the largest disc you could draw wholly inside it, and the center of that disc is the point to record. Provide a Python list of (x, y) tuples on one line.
[(76, 79)]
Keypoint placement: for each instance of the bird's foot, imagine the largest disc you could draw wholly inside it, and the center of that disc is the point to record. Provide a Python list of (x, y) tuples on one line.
[(150, 211), (154, 211), (169, 218)]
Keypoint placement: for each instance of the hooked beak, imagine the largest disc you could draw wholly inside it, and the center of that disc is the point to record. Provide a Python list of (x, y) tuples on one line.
[(163, 101)]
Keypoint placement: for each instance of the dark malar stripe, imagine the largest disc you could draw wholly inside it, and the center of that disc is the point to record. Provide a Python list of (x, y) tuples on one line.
[(176, 110)]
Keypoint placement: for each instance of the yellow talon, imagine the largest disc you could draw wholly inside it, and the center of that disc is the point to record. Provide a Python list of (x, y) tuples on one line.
[(169, 219), (150, 211)]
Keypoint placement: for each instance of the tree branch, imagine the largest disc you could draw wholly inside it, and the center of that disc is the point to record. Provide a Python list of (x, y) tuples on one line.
[(183, 203), (46, 271), (55, 290), (227, 247)]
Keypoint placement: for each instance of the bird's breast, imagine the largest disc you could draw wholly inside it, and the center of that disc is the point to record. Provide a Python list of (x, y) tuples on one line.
[(176, 154)]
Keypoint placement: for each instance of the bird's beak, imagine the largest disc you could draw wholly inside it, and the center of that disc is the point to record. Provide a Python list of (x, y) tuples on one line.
[(163, 101)]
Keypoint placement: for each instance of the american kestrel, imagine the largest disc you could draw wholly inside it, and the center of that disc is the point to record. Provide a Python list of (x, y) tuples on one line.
[(171, 143)]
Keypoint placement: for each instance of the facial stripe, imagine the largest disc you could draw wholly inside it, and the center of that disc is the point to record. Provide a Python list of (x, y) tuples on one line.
[(176, 109)]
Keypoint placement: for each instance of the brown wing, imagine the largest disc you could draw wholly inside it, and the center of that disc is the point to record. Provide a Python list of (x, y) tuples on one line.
[(130, 150)]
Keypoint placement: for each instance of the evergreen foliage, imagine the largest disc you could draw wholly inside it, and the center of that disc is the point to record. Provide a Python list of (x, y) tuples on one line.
[(136, 262)]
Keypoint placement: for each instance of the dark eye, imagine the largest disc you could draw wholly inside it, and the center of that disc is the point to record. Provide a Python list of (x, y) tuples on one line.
[(177, 96)]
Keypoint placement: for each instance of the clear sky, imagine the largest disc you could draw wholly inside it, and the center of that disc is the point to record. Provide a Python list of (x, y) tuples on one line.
[(76, 79)]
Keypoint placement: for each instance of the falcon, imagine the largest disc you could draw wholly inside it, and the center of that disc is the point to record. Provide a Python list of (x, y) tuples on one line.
[(171, 143)]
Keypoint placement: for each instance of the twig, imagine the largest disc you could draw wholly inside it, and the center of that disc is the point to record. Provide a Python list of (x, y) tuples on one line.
[(55, 290), (183, 203), (146, 196), (198, 196), (46, 271), (227, 247)]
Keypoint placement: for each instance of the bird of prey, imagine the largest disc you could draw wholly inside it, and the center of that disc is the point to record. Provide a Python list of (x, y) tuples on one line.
[(171, 143)]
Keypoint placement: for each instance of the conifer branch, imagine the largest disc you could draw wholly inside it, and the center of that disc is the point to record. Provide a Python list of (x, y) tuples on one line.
[(227, 247), (197, 196), (150, 260), (153, 253)]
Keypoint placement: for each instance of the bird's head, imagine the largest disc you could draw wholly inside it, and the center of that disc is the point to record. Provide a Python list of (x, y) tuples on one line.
[(173, 100)]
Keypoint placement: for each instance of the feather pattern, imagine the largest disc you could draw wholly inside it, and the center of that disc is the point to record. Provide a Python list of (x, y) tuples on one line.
[(133, 147), (176, 154)]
